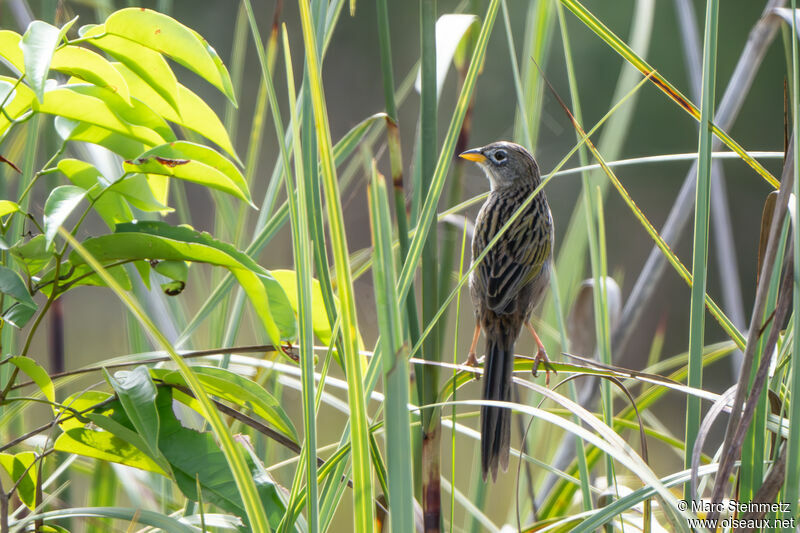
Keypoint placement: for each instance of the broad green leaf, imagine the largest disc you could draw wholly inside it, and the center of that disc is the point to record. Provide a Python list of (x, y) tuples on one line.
[(146, 63), (110, 205), (193, 455), (239, 390), (10, 50), (73, 130), (134, 112), (167, 36), (7, 206), (192, 162), (143, 193), (38, 374), (137, 394), (38, 44), (19, 307), (19, 466), (17, 104), (32, 255), (106, 447), (157, 240), (69, 102), (80, 402), (192, 111), (60, 204), (92, 67), (322, 327)]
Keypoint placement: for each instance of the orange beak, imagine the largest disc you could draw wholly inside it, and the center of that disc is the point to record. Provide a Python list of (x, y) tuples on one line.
[(474, 155)]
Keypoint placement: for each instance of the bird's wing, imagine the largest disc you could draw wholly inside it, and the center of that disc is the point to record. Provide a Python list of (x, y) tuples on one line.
[(516, 259)]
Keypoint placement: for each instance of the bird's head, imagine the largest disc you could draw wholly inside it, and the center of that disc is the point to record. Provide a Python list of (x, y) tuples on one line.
[(505, 163)]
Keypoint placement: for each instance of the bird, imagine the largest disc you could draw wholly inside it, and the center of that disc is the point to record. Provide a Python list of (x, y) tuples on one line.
[(508, 282)]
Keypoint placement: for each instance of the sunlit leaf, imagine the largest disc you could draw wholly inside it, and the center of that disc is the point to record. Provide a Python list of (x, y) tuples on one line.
[(60, 204), (38, 44), (104, 446), (192, 112), (239, 390), (38, 374), (90, 66), (192, 162), (110, 205), (167, 36), (19, 466), (72, 102), (146, 63), (7, 207), (10, 51)]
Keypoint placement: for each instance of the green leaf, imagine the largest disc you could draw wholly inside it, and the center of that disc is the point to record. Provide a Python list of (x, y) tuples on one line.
[(73, 130), (192, 111), (10, 50), (18, 103), (158, 240), (92, 67), (61, 202), (81, 401), (239, 390), (192, 162), (17, 466), (322, 327), (167, 36), (133, 112), (22, 307), (109, 204), (137, 394), (106, 447), (38, 44), (147, 64), (195, 455), (38, 374), (7, 206), (32, 255), (72, 102)]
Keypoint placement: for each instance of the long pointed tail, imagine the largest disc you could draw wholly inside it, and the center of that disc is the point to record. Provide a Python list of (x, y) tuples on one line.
[(496, 421)]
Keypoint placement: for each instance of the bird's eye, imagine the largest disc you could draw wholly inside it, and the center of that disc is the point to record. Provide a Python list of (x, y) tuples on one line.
[(500, 156)]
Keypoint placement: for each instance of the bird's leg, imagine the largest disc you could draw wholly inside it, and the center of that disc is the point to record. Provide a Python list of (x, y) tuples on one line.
[(472, 359), (541, 355)]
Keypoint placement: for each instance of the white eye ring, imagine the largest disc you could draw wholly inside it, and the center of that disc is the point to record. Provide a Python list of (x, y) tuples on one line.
[(500, 156)]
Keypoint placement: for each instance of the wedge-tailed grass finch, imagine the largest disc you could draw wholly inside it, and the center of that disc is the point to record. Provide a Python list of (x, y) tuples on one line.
[(508, 283)]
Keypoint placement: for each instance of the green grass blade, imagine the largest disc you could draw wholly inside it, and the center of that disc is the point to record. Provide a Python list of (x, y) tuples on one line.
[(395, 361), (359, 438), (700, 247)]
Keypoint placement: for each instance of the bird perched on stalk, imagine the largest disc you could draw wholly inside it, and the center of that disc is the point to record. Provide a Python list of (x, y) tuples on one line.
[(508, 282)]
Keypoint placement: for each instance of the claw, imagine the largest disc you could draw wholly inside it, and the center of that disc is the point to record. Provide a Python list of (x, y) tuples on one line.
[(472, 360), (541, 357)]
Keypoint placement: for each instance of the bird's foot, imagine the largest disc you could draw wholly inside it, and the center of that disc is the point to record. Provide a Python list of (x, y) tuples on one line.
[(472, 360), (541, 357)]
